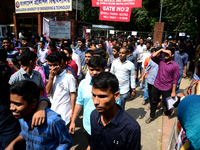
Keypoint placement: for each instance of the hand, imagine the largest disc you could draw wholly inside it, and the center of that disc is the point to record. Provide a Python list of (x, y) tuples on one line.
[(173, 94), (180, 95), (10, 62), (38, 118), (43, 62), (138, 58), (133, 94), (72, 128), (141, 80), (68, 71), (53, 71), (184, 75)]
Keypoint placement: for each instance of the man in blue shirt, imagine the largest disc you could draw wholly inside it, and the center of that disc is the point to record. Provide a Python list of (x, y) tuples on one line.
[(80, 51), (53, 134), (181, 58), (111, 127)]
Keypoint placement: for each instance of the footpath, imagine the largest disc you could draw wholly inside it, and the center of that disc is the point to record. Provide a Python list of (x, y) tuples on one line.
[(154, 136)]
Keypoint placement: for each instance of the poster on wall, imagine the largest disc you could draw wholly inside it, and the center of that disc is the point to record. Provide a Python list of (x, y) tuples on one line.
[(60, 29), (31, 6), (46, 26), (85, 34)]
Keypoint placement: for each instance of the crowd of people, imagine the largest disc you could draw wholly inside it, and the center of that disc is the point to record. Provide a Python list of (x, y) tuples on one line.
[(44, 86)]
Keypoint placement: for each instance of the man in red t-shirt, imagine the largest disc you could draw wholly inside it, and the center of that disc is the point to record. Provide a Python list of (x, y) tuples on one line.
[(68, 51)]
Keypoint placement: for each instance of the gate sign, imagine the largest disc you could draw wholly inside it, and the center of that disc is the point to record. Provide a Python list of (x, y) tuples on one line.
[(115, 13), (30, 6), (128, 3), (60, 29)]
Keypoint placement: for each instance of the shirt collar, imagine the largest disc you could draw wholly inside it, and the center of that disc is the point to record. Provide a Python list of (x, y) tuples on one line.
[(24, 72), (115, 120), (64, 71)]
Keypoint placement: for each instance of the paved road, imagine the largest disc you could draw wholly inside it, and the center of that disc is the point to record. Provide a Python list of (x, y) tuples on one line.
[(150, 134)]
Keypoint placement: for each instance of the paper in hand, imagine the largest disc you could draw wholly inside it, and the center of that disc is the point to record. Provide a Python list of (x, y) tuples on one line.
[(171, 101)]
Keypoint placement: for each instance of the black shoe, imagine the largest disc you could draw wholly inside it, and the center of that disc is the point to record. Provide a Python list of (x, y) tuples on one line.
[(149, 120)]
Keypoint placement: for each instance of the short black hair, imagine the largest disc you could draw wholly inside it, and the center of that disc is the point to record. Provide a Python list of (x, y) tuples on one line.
[(102, 53), (37, 37), (117, 48), (54, 57), (5, 73), (149, 42), (129, 46), (124, 48), (89, 52), (25, 39), (96, 61), (81, 39), (120, 44), (67, 48), (62, 55), (7, 39), (182, 44), (53, 45), (43, 43), (113, 40), (26, 57), (153, 50), (171, 49), (106, 80), (102, 48), (3, 54), (24, 49), (27, 89)]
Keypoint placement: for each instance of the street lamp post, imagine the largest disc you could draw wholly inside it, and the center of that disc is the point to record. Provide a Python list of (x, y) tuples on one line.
[(160, 11)]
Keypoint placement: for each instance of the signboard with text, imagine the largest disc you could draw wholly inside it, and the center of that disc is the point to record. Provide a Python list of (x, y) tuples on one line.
[(60, 29), (129, 3), (115, 13), (31, 6)]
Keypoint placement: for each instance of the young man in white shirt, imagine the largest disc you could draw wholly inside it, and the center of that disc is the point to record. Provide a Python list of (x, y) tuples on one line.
[(62, 88)]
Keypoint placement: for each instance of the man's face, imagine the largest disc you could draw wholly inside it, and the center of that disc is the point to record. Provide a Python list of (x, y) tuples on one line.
[(114, 43), (80, 44), (87, 57), (148, 46), (73, 42), (95, 71), (100, 45), (124, 44), (40, 45), (19, 107), (141, 41), (54, 66), (122, 54), (6, 44), (168, 55), (181, 49), (24, 42), (103, 99), (114, 52)]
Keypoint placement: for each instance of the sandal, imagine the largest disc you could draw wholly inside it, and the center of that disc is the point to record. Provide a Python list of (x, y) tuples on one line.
[(148, 107), (144, 102), (149, 120)]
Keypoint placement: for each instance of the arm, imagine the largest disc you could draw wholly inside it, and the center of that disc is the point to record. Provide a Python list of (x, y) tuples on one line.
[(73, 99), (133, 85), (134, 139), (14, 67), (39, 115), (77, 110), (62, 135), (173, 94), (185, 70), (185, 66), (143, 74), (15, 142)]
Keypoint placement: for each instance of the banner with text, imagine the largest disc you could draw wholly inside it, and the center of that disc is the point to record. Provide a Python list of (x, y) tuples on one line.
[(60, 30), (115, 13), (30, 6), (128, 3)]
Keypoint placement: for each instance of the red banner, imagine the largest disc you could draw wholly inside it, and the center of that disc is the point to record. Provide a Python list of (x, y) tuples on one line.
[(126, 3), (115, 13)]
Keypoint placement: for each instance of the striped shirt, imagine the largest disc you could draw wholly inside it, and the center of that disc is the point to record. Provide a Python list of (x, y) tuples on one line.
[(12, 54), (53, 134), (125, 73), (22, 75)]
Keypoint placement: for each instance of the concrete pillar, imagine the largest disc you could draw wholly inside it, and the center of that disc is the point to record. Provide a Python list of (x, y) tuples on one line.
[(40, 24), (15, 31)]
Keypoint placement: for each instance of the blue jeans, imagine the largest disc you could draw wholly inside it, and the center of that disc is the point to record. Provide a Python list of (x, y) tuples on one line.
[(145, 89), (139, 68), (179, 82), (123, 98)]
